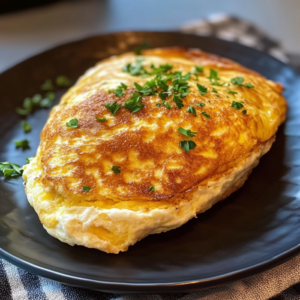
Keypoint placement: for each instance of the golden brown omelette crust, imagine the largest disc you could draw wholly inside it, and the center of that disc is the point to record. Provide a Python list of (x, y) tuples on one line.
[(157, 150)]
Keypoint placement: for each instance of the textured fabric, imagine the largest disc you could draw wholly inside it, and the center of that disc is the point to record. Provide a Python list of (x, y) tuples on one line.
[(279, 283)]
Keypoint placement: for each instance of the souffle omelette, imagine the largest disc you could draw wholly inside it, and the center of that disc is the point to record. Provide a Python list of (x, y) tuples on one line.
[(143, 143)]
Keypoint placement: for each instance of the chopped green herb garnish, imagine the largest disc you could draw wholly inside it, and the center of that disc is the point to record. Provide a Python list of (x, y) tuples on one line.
[(214, 90), (213, 75), (36, 99), (161, 69), (137, 69), (116, 169), (22, 111), (178, 101), (187, 145), (29, 159), (217, 96), (205, 114), (133, 104), (200, 104), (202, 89), (72, 123), (192, 110), (138, 50), (232, 92), (149, 88), (198, 69), (119, 90), (46, 103), (10, 169), (24, 144), (63, 81), (151, 188), (25, 126), (101, 120), (86, 188), (165, 103), (50, 96), (249, 85), (47, 85), (162, 96), (187, 132), (239, 82), (244, 111), (237, 105), (113, 107), (214, 79)]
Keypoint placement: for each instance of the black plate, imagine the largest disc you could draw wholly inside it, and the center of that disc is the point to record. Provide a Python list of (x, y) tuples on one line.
[(256, 228)]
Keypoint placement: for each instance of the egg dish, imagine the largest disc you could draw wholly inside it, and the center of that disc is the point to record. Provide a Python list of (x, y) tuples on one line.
[(143, 143)]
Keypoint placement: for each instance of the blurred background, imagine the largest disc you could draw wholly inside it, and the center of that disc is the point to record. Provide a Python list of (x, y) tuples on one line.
[(29, 27)]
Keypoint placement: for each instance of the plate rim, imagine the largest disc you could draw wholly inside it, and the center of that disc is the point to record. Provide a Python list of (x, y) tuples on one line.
[(180, 286)]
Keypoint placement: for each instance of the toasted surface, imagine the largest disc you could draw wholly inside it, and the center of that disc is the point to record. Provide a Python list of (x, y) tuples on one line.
[(145, 145)]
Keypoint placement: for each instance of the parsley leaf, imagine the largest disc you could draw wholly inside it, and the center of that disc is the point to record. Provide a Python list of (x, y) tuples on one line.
[(10, 169), (237, 105), (29, 159), (72, 123), (232, 92), (205, 114), (178, 101), (116, 169), (49, 95), (151, 188), (213, 75), (161, 69), (200, 104), (46, 103), (24, 144), (202, 89), (25, 126), (249, 85), (198, 69), (214, 79), (163, 85), (101, 120), (113, 107), (133, 104), (137, 69), (187, 132), (165, 103), (86, 188), (119, 90), (149, 88), (162, 96), (138, 50), (22, 111), (63, 81), (192, 110), (239, 82), (244, 111), (47, 85), (214, 90), (187, 145)]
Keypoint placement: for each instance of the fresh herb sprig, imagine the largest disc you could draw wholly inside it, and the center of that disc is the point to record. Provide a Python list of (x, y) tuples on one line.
[(239, 81), (10, 169), (134, 103)]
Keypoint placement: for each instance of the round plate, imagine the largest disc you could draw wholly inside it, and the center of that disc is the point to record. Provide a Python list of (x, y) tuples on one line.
[(254, 229)]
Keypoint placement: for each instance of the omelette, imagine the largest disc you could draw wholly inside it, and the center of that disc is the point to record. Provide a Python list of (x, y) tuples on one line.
[(143, 143)]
